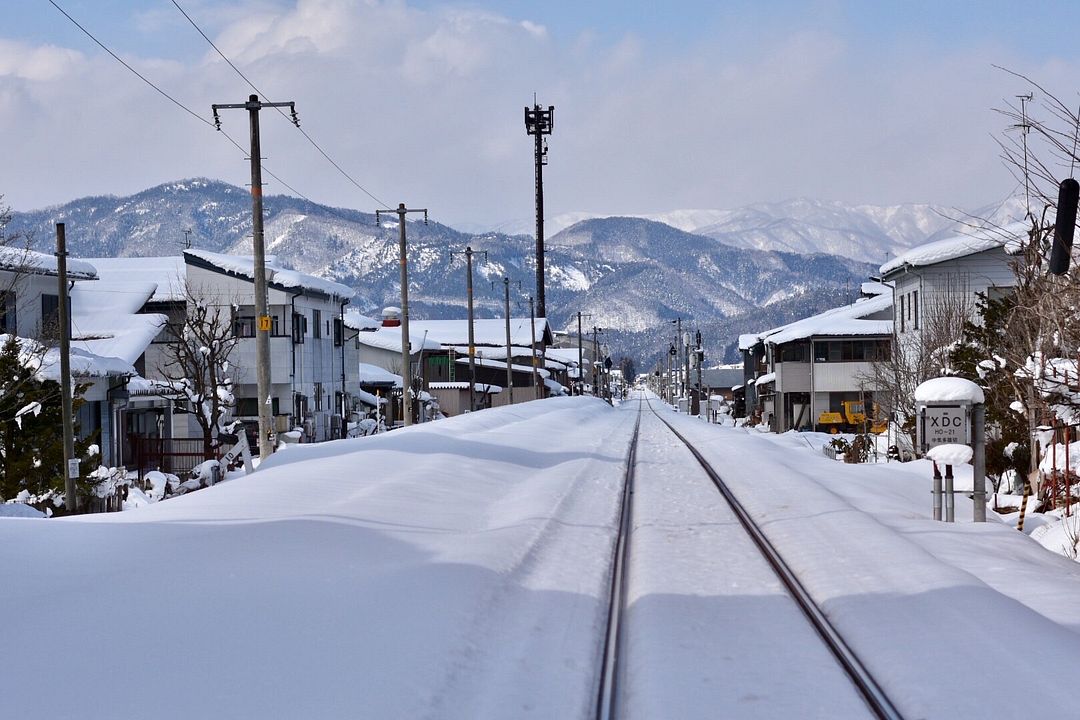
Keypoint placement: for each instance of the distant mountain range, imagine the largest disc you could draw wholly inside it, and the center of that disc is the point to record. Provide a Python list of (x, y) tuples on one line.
[(862, 232), (741, 271)]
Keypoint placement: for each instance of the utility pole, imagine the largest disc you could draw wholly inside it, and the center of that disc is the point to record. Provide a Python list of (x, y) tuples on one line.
[(538, 123), (686, 366), (596, 359), (699, 357), (71, 464), (469, 252), (263, 322), (509, 374), (580, 353), (406, 360), (187, 239), (536, 372)]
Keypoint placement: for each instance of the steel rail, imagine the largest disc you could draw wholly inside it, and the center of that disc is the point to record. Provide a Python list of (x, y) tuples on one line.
[(606, 699), (868, 687)]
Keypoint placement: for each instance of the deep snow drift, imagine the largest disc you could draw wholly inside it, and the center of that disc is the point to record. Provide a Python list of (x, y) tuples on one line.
[(458, 569)]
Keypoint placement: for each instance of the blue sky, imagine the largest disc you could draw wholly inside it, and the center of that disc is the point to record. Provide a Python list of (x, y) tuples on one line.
[(659, 106)]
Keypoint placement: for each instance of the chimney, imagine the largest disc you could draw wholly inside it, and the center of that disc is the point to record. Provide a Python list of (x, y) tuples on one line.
[(391, 317)]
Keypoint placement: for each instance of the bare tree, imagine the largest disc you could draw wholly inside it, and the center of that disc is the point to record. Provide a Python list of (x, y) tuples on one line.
[(196, 362), (922, 354)]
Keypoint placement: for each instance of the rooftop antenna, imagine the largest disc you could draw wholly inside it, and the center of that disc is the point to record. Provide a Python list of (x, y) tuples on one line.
[(187, 239), (1076, 132), (1025, 126)]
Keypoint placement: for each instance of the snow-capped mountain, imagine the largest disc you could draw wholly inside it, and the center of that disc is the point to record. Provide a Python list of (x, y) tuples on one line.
[(629, 275), (869, 233)]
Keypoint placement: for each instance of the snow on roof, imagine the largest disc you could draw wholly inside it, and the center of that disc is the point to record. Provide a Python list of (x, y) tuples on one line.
[(748, 340), (105, 319), (486, 331), (369, 399), (84, 364), (167, 274), (555, 388), (375, 375), (873, 287), (842, 321), (486, 388), (485, 362), (567, 356), (765, 379), (976, 241), (497, 353), (948, 389), (389, 338), (244, 266), (23, 260), (139, 385), (356, 321)]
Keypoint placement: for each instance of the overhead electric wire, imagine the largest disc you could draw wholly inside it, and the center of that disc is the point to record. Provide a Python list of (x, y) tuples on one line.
[(170, 98), (245, 78)]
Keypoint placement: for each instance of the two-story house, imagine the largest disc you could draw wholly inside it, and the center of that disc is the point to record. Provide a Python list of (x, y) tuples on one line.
[(813, 366), (935, 285), (312, 366)]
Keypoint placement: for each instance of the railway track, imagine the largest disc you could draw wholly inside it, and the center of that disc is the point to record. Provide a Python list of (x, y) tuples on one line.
[(607, 704)]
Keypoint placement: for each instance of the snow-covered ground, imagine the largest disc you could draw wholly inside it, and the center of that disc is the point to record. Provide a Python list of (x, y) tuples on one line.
[(458, 569)]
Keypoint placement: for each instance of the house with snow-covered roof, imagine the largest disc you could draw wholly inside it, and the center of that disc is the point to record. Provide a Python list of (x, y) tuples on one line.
[(795, 373), (447, 372), (378, 345), (312, 364), (108, 337), (942, 276)]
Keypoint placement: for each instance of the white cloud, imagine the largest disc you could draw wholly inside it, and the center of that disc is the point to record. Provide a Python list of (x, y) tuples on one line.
[(45, 63), (426, 107)]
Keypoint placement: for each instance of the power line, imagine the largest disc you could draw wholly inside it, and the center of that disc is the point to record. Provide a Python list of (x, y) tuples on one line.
[(169, 97), (260, 92)]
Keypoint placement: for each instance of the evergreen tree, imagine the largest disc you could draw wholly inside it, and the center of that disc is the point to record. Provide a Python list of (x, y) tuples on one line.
[(31, 427)]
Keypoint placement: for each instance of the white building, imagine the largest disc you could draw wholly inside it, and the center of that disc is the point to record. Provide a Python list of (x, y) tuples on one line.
[(931, 278), (812, 366), (312, 364)]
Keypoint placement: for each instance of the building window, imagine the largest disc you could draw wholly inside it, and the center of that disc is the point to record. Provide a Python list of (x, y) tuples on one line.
[(795, 352), (50, 314), (852, 350), (7, 313), (244, 326), (299, 328), (915, 309), (902, 328), (318, 394), (249, 407), (316, 324), (339, 332)]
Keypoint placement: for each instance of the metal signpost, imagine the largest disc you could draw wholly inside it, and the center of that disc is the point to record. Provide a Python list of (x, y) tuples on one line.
[(956, 420)]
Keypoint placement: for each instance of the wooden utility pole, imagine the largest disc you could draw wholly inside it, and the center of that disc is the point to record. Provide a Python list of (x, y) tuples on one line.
[(596, 360), (406, 355), (71, 463), (509, 373), (263, 322), (469, 252)]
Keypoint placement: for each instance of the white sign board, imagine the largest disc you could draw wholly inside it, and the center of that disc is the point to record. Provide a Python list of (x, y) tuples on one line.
[(73, 469), (945, 424)]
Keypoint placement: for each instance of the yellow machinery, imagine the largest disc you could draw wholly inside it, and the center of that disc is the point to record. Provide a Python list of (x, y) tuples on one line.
[(853, 419)]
